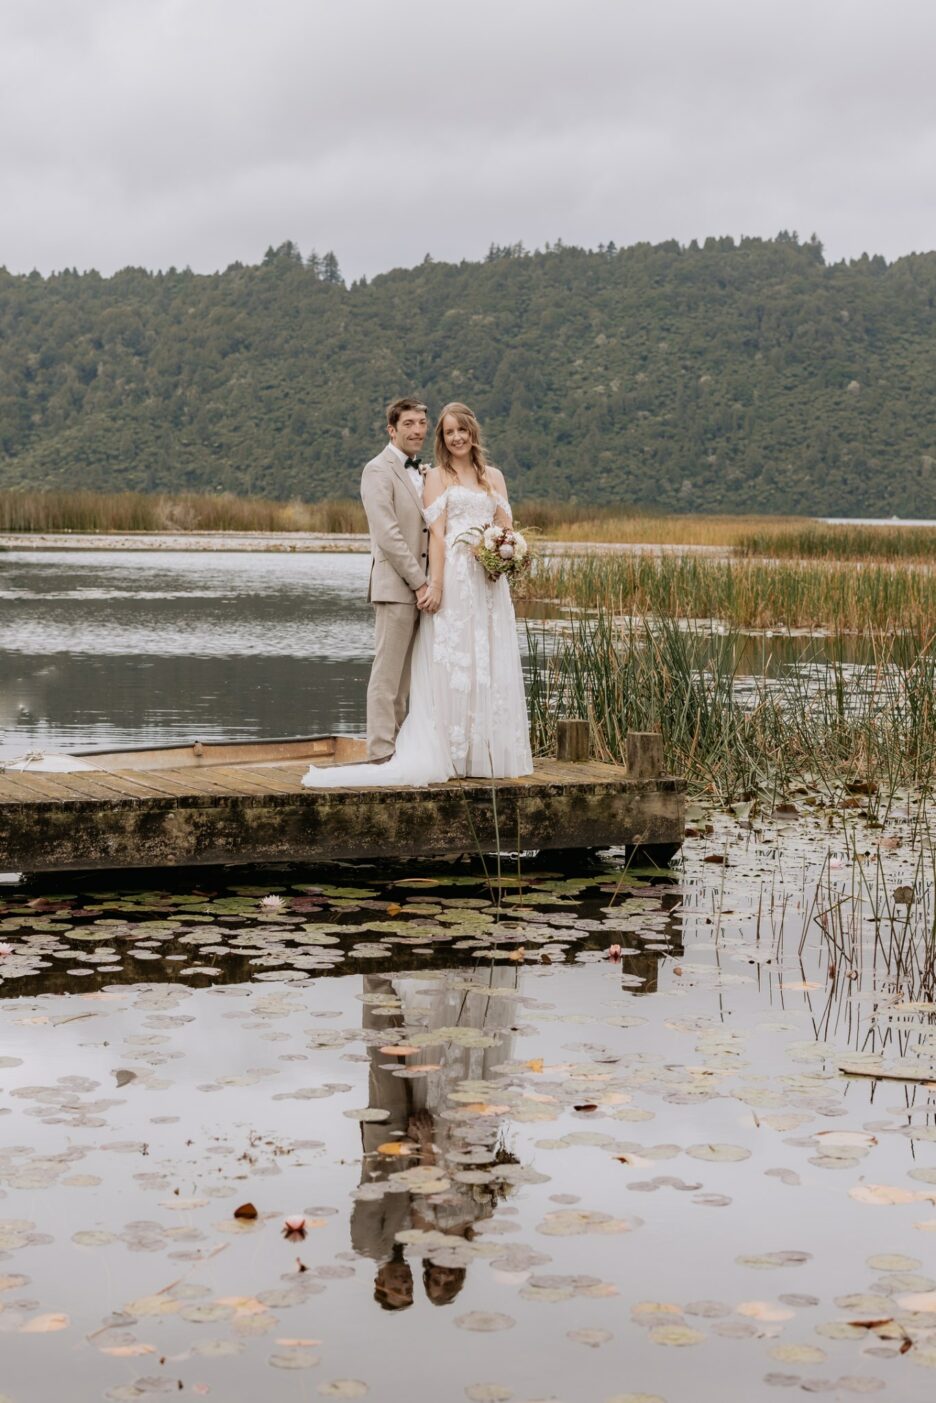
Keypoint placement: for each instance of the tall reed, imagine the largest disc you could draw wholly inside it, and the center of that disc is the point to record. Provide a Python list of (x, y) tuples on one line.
[(744, 593), (871, 728)]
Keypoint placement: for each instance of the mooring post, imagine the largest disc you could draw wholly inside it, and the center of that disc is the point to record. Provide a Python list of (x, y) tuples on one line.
[(644, 754), (571, 739)]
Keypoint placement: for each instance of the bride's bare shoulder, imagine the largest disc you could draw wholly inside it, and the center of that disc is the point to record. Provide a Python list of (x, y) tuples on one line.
[(495, 477)]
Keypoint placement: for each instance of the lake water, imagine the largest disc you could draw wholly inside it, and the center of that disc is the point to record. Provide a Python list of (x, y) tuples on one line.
[(531, 1166), (100, 648)]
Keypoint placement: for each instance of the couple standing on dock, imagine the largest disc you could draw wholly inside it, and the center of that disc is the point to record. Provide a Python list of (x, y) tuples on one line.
[(445, 633)]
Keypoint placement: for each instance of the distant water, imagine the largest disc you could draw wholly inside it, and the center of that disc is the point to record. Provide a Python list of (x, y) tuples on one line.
[(875, 521)]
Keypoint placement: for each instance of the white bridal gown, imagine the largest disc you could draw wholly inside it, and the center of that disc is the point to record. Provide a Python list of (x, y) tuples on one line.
[(467, 712)]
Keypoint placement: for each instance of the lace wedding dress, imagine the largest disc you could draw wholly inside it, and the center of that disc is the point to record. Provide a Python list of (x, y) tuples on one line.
[(467, 712)]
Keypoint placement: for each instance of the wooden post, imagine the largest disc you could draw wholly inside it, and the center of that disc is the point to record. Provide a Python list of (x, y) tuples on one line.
[(644, 754), (571, 740)]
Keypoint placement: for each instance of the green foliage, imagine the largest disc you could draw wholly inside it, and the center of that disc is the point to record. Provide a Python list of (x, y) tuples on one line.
[(728, 377)]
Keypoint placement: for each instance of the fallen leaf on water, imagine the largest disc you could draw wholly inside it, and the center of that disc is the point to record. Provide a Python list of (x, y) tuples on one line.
[(128, 1351), (798, 1354), (764, 1310), (535, 1064), (846, 1137), (918, 1300), (401, 1050), (887, 1194), (44, 1324), (485, 1321), (678, 1335), (246, 1210), (295, 1359), (720, 1154), (396, 1147)]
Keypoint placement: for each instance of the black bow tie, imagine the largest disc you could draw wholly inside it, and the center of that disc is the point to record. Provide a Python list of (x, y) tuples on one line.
[(414, 463)]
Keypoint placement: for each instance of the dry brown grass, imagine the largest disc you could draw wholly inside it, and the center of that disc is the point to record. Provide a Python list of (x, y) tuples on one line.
[(32, 511)]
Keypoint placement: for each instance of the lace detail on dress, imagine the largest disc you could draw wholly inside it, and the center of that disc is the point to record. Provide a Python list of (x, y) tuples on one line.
[(435, 510), (504, 505)]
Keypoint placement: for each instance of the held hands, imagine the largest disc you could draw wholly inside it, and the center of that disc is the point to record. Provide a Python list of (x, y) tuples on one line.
[(429, 597)]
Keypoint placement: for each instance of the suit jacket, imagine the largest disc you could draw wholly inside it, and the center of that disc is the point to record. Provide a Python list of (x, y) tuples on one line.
[(399, 535)]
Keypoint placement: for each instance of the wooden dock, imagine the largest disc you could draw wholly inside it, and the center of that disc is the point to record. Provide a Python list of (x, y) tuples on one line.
[(206, 813)]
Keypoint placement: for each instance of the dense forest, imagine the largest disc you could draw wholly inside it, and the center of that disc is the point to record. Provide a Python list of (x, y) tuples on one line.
[(749, 376)]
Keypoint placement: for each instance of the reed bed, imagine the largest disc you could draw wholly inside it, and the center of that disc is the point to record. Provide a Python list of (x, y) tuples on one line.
[(834, 727), (744, 593), (818, 541), (27, 511)]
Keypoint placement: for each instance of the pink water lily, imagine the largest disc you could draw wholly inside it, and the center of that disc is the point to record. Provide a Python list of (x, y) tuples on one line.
[(5, 949), (614, 952)]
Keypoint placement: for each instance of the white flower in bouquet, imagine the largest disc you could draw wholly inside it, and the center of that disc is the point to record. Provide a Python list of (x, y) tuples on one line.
[(505, 551), (491, 537), (520, 546)]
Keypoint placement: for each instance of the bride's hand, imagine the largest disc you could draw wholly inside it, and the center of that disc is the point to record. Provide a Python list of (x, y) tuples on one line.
[(430, 597)]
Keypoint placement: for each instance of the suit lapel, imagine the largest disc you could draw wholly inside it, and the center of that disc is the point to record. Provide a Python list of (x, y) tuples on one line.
[(393, 462)]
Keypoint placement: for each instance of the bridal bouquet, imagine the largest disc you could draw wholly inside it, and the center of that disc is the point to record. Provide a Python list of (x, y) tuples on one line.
[(500, 550)]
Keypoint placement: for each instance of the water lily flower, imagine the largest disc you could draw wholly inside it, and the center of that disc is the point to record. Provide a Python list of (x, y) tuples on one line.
[(614, 952), (294, 1229), (272, 903), (5, 949)]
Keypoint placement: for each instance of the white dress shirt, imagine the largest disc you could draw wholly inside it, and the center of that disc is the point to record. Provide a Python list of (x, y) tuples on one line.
[(414, 475)]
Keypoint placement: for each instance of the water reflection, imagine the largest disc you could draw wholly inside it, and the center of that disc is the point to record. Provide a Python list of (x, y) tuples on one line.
[(455, 1185)]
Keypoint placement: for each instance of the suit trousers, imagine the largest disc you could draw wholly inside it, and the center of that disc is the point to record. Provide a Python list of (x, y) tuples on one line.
[(395, 628)]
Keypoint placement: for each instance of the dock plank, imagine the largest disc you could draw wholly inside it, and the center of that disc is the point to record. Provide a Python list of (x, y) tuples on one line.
[(263, 814)]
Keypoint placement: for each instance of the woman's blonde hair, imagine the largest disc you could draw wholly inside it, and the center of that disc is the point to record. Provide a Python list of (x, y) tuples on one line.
[(467, 422)]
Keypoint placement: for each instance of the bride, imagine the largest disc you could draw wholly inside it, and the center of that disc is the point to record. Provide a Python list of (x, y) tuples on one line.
[(467, 712)]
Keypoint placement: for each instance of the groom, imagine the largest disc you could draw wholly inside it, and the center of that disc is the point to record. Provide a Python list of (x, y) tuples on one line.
[(391, 490)]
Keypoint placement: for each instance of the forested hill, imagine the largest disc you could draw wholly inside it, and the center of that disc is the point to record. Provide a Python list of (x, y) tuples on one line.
[(729, 377)]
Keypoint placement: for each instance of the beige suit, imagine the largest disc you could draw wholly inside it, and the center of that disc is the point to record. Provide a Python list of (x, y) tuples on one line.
[(399, 564)]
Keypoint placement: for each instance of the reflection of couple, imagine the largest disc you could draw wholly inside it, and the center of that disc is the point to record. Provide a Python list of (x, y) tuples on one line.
[(419, 1115), (446, 635)]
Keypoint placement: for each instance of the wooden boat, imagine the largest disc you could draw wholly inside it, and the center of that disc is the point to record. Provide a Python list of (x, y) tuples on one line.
[(201, 754)]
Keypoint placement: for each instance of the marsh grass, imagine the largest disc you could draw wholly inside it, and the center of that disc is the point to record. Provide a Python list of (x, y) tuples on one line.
[(26, 511), (851, 735), (787, 537), (817, 541), (744, 593)]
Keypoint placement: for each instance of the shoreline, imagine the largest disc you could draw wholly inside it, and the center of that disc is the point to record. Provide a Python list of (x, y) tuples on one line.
[(296, 542)]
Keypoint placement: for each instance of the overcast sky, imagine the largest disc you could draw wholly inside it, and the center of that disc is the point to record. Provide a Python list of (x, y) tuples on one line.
[(197, 132)]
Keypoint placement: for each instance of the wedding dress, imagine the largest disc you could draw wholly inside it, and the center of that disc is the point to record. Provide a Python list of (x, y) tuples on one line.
[(467, 710)]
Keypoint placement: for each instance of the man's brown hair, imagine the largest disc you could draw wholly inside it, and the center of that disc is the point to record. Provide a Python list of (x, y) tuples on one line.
[(399, 406)]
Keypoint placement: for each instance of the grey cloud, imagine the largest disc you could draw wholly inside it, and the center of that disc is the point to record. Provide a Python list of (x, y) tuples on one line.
[(196, 132)]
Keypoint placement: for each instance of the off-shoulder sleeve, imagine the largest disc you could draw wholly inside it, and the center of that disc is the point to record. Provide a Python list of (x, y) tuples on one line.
[(433, 512), (503, 503)]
